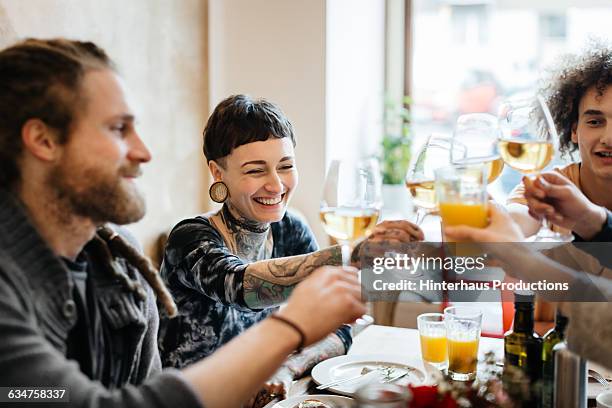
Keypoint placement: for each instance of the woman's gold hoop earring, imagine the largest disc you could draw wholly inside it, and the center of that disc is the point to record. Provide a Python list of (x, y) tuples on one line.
[(218, 192)]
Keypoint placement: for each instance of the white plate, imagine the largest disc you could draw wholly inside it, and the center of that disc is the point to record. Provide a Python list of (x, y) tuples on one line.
[(332, 400), (348, 366)]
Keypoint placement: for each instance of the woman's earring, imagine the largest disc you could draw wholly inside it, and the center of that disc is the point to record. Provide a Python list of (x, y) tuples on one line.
[(218, 192)]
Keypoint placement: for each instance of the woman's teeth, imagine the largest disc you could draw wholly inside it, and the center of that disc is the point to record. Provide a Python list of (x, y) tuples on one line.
[(269, 201), (604, 154)]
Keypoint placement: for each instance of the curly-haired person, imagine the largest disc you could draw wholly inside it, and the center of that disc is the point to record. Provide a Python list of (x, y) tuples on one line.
[(579, 95)]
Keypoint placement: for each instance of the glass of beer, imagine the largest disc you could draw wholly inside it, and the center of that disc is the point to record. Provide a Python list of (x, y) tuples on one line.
[(432, 335), (462, 195), (463, 326)]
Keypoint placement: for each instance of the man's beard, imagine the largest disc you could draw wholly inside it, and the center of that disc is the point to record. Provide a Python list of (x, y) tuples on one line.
[(99, 196)]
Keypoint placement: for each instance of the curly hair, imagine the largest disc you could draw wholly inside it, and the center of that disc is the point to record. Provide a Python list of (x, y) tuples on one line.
[(41, 79), (568, 83)]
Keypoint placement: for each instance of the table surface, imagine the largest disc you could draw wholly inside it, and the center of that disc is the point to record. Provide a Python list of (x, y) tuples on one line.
[(405, 342), (401, 341)]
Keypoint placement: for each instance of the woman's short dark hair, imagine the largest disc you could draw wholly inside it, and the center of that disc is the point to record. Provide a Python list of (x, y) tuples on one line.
[(41, 79), (239, 120), (569, 82)]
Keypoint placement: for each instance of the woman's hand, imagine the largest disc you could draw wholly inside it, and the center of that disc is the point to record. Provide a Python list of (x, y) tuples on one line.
[(501, 229)]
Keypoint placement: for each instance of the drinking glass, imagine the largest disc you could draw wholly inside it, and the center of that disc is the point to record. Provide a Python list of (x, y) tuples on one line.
[(475, 141), (526, 143), (463, 326), (432, 335), (461, 192), (351, 201), (420, 178)]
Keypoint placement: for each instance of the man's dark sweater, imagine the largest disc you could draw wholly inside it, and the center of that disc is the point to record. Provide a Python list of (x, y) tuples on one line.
[(38, 313)]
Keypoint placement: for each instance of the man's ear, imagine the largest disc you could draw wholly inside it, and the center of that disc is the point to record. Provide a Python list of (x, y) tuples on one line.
[(40, 140), (574, 135), (216, 170)]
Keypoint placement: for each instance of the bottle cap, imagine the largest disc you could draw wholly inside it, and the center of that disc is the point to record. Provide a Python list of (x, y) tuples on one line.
[(524, 296)]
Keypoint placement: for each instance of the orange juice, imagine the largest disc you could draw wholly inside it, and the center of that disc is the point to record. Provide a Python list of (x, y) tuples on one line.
[(462, 356), (473, 215), (433, 349)]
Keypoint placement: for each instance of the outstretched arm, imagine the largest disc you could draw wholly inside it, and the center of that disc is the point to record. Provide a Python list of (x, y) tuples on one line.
[(269, 282)]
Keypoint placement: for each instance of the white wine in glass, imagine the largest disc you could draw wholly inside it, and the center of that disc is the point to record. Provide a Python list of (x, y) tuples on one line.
[(420, 178), (527, 157), (351, 201), (526, 143), (423, 194), (475, 141), (348, 224)]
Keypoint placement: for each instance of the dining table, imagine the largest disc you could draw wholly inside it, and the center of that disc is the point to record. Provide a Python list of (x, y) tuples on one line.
[(404, 342)]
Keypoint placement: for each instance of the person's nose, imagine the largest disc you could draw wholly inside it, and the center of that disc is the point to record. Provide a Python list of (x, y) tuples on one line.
[(138, 151), (606, 137), (274, 184)]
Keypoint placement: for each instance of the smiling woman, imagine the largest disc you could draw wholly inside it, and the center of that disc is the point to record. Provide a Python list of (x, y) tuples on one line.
[(230, 269)]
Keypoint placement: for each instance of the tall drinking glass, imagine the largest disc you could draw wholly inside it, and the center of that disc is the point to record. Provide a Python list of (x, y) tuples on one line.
[(432, 335), (461, 192), (463, 325), (526, 144)]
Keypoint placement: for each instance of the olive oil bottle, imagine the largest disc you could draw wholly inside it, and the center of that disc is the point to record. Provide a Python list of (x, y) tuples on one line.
[(553, 337), (522, 346)]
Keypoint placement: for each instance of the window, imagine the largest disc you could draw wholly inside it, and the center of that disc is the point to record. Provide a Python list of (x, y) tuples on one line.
[(467, 55)]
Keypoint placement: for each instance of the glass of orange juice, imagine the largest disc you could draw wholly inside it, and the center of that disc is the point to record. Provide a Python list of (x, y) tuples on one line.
[(432, 334), (461, 191), (463, 326)]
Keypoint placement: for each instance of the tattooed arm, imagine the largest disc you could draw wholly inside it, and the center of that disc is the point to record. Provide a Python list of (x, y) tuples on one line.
[(197, 258), (270, 282)]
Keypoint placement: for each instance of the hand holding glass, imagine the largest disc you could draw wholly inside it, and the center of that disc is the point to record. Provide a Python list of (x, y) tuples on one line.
[(351, 201), (526, 144)]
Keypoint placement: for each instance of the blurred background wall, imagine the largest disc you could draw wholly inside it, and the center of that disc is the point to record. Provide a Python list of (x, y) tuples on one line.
[(160, 47), (322, 61)]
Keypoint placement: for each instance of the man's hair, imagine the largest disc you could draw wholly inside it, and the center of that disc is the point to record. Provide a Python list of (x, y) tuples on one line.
[(41, 79), (239, 120), (569, 82)]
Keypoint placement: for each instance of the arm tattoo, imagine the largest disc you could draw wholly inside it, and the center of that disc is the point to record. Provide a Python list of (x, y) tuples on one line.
[(270, 282), (329, 347)]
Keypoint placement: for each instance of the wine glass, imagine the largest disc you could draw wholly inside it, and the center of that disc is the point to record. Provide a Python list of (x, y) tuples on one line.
[(420, 178), (527, 144), (477, 134), (351, 201)]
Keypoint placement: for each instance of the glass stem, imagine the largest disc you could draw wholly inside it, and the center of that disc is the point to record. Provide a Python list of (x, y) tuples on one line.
[(545, 230), (346, 254), (420, 216)]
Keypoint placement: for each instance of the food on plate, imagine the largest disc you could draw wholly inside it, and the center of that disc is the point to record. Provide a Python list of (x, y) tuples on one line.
[(312, 403)]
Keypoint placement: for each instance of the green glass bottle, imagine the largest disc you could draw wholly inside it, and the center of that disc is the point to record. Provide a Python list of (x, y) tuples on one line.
[(522, 346), (553, 337)]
